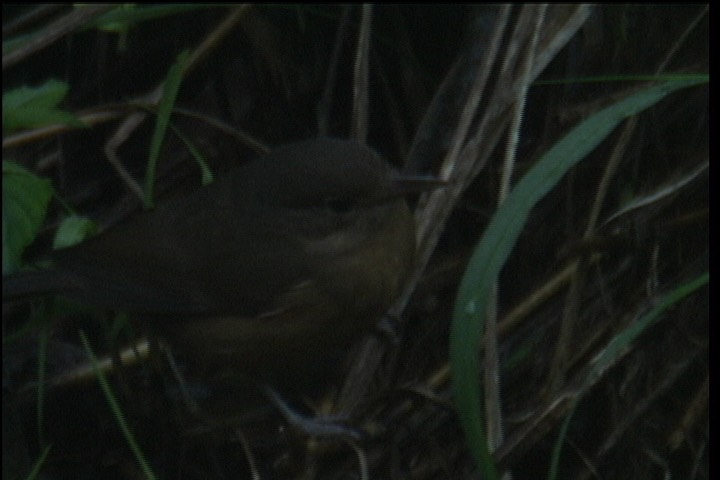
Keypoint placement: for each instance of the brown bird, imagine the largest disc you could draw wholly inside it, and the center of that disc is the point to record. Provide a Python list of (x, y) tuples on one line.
[(265, 271)]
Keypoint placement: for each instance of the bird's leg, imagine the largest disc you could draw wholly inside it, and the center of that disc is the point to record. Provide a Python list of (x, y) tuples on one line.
[(323, 427)]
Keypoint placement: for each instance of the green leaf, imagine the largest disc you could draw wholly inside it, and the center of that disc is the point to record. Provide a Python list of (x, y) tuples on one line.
[(73, 230), (497, 242), (25, 198), (33, 107), (207, 175), (117, 411), (167, 102), (131, 14)]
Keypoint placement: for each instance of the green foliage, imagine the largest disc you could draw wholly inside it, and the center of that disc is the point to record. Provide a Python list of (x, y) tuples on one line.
[(167, 102), (72, 230), (498, 241), (33, 107), (25, 198), (130, 14), (615, 349), (117, 411)]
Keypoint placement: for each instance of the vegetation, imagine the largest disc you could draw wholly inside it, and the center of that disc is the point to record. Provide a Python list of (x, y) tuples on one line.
[(557, 325)]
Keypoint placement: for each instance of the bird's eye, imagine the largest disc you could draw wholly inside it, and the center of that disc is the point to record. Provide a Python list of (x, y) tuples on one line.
[(340, 205)]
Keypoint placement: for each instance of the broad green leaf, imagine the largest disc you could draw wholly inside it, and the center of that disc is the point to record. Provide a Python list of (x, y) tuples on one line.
[(33, 107), (25, 198)]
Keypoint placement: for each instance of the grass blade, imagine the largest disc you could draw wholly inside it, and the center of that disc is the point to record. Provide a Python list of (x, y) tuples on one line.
[(500, 237)]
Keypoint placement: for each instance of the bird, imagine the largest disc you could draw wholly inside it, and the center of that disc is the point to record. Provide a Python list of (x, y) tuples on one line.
[(266, 272)]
